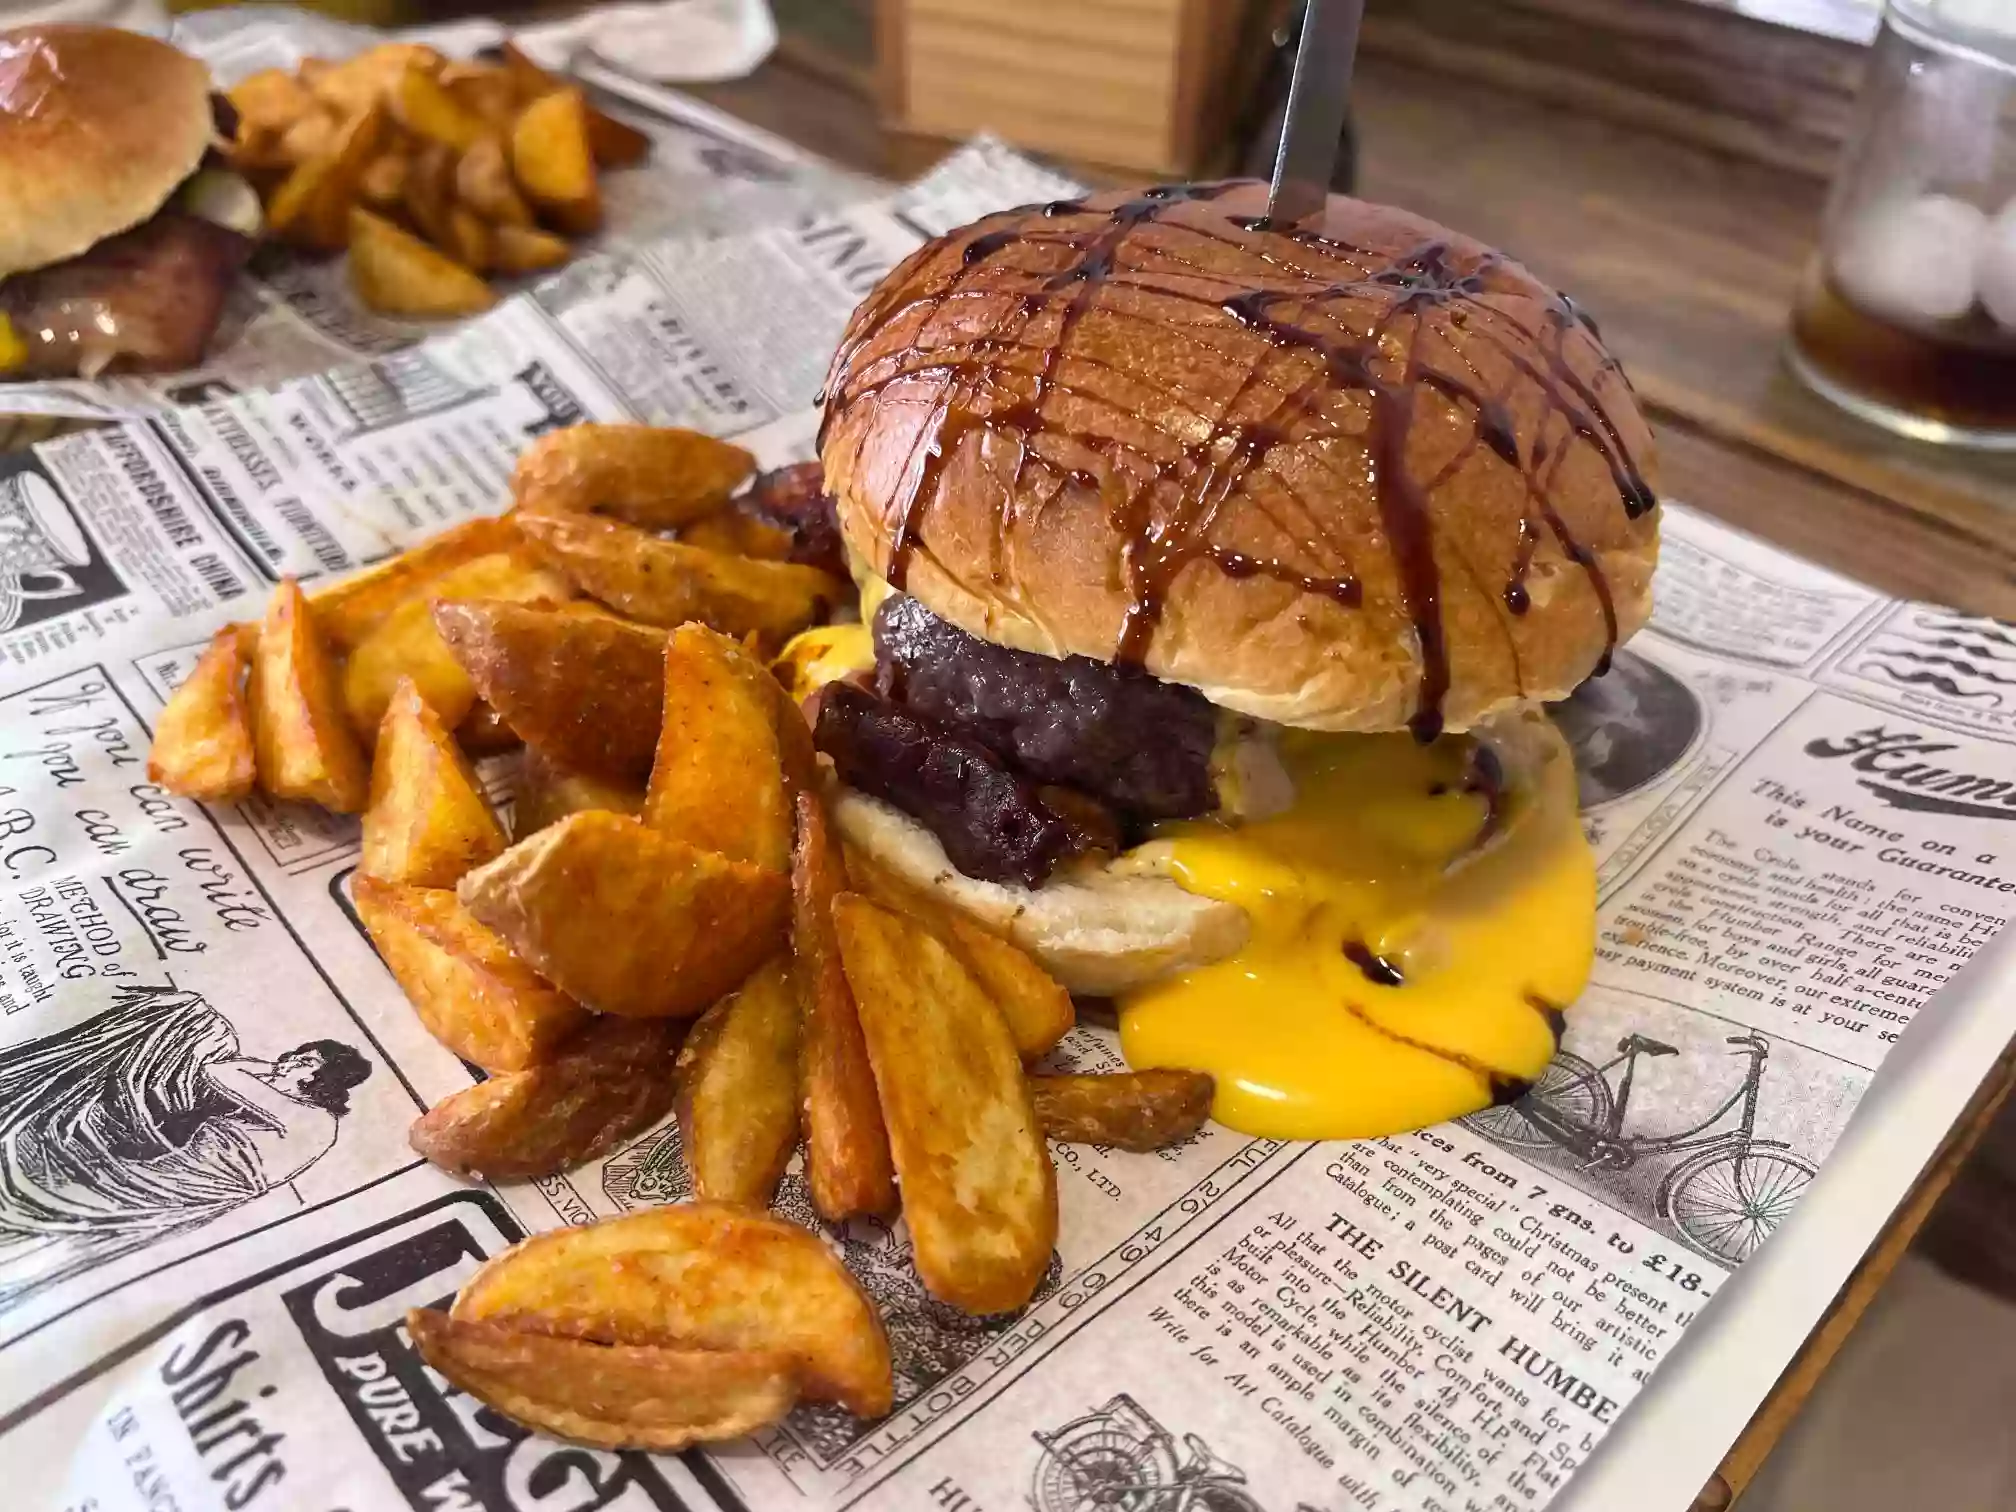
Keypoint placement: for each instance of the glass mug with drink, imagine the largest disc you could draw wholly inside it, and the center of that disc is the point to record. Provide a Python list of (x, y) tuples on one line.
[(1907, 316)]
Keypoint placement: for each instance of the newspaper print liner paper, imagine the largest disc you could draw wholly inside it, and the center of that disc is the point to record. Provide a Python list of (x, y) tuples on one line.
[(210, 1224)]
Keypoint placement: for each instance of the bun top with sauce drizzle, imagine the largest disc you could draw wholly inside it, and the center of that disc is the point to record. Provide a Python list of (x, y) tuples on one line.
[(1358, 474)]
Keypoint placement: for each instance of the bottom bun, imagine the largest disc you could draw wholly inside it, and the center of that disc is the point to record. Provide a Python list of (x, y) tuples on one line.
[(1098, 932)]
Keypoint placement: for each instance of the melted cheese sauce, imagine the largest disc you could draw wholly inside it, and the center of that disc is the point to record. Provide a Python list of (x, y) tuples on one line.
[(1304, 1044)]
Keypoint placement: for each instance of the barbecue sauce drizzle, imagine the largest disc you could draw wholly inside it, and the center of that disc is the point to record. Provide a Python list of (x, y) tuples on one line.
[(1426, 280)]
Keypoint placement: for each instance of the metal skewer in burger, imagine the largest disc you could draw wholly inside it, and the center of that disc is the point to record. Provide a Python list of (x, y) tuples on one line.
[(1216, 572)]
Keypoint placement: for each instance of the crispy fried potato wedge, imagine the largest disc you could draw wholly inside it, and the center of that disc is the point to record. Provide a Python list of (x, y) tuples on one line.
[(406, 644), (1128, 1110), (483, 183), (705, 1276), (312, 206), (485, 732), (736, 533), (1035, 1004), (738, 1090), (485, 90), (553, 162), (310, 134), (579, 684), (665, 583), (655, 476), (351, 609), (429, 189), (423, 107), (628, 920), (295, 211), (473, 995), (203, 738), (395, 273), (720, 779), (610, 1396), (523, 249), (611, 1080), (383, 181), (427, 822), (270, 100), (548, 793), (846, 1144), (302, 745), (979, 1192), (615, 144), (469, 238), (367, 78)]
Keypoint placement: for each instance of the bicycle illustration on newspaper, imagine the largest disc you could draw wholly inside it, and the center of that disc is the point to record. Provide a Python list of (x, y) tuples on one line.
[(1728, 1194), (1120, 1459)]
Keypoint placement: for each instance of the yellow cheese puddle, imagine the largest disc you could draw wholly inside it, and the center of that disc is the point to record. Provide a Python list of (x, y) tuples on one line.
[(1303, 1043)]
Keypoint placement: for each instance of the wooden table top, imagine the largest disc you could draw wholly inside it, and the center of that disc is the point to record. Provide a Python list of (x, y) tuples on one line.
[(1689, 259)]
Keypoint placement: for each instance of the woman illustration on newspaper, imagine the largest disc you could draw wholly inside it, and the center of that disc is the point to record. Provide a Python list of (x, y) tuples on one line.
[(144, 1122)]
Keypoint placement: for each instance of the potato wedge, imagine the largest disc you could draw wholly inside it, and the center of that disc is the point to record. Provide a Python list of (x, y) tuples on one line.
[(427, 822), (202, 745), (369, 77), (309, 135), (302, 745), (659, 477), (469, 238), (382, 184), (611, 1080), (397, 274), (270, 100), (580, 685), (351, 609), (1128, 1110), (483, 183), (615, 144), (473, 995), (738, 1090), (1035, 1004), (554, 164), (423, 107), (720, 779), (486, 90), (296, 212), (429, 189), (627, 920), (736, 533), (312, 207), (406, 644), (979, 1192), (610, 1396), (485, 732), (548, 793), (522, 249), (702, 1275), (664, 583), (846, 1144)]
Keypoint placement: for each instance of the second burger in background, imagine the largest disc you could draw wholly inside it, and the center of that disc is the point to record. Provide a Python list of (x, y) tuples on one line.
[(1216, 573), (120, 232)]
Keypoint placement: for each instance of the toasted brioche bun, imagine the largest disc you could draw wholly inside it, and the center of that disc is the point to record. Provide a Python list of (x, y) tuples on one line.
[(1099, 932), (1172, 418), (97, 128)]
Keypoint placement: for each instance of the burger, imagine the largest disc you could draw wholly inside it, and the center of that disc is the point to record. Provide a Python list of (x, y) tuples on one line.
[(1215, 576), (120, 229)]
